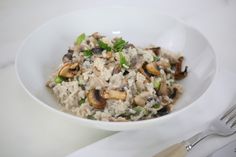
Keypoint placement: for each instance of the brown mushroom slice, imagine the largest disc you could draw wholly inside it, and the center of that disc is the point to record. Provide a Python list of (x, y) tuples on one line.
[(115, 94), (153, 68), (67, 57), (116, 69), (163, 89), (182, 74), (95, 99), (173, 93), (144, 71), (156, 50), (164, 110), (68, 70), (179, 74), (74, 65), (97, 50), (141, 99)]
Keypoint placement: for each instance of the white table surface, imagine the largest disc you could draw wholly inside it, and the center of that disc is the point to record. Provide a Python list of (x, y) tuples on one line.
[(27, 128)]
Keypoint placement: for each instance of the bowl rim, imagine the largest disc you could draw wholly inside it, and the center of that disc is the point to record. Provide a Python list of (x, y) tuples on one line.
[(99, 122)]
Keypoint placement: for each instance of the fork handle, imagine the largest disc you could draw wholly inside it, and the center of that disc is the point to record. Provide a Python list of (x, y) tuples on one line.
[(176, 150)]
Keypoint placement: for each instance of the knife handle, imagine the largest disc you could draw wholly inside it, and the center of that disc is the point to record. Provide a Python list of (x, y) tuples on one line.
[(176, 150)]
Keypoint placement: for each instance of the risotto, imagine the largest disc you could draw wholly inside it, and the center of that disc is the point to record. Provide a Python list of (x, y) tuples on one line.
[(113, 80)]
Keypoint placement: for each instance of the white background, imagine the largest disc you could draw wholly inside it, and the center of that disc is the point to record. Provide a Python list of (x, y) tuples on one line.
[(28, 129)]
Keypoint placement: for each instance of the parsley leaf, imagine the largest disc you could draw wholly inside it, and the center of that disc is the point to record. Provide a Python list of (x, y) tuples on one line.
[(156, 106), (80, 38), (157, 83), (119, 44), (58, 79), (104, 45), (123, 61), (81, 101), (88, 53), (156, 58)]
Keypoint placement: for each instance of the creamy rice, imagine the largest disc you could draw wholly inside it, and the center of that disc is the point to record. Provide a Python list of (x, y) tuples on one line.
[(113, 80)]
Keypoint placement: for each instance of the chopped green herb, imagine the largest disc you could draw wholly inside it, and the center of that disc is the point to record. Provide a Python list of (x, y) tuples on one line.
[(156, 106), (157, 83), (91, 117), (123, 61), (81, 101), (58, 80), (119, 45), (104, 45), (156, 58), (88, 53), (138, 110), (80, 38)]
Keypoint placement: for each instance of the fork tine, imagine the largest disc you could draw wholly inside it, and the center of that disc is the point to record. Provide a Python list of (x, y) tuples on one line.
[(230, 110), (232, 123), (231, 116)]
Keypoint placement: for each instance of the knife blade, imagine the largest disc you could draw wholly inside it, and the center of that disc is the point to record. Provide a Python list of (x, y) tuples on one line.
[(228, 150)]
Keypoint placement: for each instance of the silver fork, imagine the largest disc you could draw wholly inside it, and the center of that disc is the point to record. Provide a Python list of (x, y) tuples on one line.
[(224, 125)]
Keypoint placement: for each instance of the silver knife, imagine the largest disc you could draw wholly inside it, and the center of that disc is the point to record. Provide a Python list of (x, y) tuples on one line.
[(228, 150)]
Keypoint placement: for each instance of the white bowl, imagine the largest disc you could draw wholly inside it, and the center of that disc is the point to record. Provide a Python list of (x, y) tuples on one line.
[(42, 51)]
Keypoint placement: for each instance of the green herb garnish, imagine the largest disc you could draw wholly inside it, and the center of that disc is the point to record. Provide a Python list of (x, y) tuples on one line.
[(138, 110), (81, 101), (157, 83), (104, 45), (156, 58), (87, 53), (156, 106), (91, 117), (59, 79), (119, 45), (123, 61), (80, 38)]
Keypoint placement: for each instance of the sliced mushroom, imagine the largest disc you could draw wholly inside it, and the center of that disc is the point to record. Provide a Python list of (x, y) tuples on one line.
[(178, 65), (141, 99), (144, 71), (97, 50), (163, 89), (179, 74), (74, 66), (67, 58), (176, 92), (153, 68), (96, 100), (173, 93), (182, 74), (69, 70), (70, 51), (156, 50), (116, 69), (165, 110), (115, 94)]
